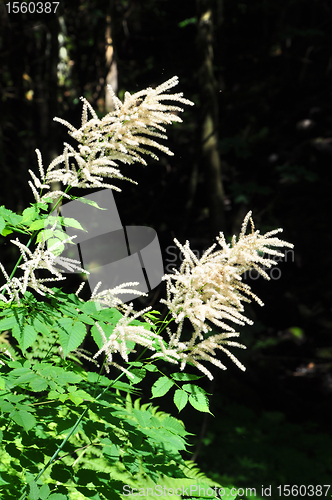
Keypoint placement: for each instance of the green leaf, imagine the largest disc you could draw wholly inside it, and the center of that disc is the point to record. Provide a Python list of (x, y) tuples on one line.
[(193, 389), (78, 396), (57, 496), (22, 376), (143, 417), (151, 368), (24, 419), (200, 402), (88, 202), (37, 224), (28, 337), (107, 329), (44, 492), (180, 399), (8, 322), (86, 319), (94, 378), (38, 384), (71, 334), (6, 406), (161, 387), (69, 222), (139, 375), (29, 215), (184, 377), (174, 425), (34, 491), (89, 308), (2, 224), (5, 232), (10, 216), (39, 326)]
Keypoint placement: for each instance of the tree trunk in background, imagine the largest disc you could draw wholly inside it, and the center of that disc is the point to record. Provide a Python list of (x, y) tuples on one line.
[(111, 66), (209, 113), (45, 78)]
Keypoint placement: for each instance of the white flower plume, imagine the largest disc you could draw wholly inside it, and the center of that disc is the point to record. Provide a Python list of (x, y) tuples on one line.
[(41, 258), (211, 290), (122, 333), (123, 135)]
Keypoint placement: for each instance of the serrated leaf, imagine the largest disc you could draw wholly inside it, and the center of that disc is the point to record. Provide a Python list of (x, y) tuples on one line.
[(200, 402), (86, 319), (29, 215), (39, 326), (17, 331), (143, 417), (161, 387), (37, 224), (110, 315), (24, 375), (10, 216), (151, 368), (180, 399), (7, 323), (71, 334), (193, 389), (89, 308), (75, 398), (70, 222), (28, 337), (38, 384), (23, 418), (138, 374), (174, 425), (55, 251)]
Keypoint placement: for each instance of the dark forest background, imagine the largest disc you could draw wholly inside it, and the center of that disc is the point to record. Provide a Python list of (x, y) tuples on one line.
[(259, 138)]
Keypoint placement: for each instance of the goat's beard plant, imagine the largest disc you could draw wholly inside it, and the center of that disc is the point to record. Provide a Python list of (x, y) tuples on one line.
[(46, 334)]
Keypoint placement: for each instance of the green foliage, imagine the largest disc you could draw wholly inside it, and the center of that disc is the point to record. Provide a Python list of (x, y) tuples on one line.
[(104, 439), (70, 433)]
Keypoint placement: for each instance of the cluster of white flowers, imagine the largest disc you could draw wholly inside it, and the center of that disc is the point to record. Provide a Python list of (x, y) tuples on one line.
[(211, 289), (41, 258), (123, 333), (123, 135), (109, 297), (204, 291)]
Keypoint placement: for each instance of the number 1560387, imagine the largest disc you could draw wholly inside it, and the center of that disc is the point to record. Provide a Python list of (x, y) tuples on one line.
[(32, 7)]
